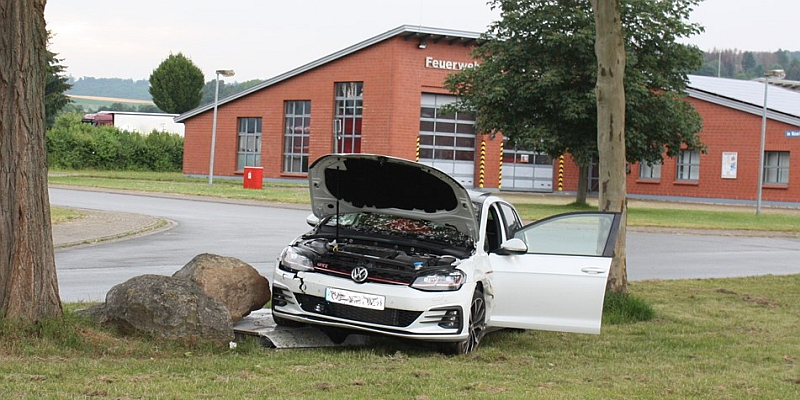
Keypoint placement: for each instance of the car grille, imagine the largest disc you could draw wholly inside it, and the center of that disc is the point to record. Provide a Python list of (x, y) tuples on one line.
[(389, 316), (379, 272)]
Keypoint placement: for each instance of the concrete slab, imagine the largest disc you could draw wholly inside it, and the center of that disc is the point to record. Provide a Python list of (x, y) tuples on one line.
[(260, 324)]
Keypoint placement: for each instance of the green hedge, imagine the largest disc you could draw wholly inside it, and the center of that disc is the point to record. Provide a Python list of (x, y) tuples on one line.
[(75, 145)]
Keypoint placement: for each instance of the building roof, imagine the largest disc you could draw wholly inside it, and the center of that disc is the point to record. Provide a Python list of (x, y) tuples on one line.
[(788, 84), (408, 32), (748, 96)]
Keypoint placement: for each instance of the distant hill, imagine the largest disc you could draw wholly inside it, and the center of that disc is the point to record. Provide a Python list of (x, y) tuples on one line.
[(111, 87), (138, 90)]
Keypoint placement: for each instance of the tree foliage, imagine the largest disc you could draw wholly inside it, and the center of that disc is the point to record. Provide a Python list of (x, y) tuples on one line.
[(793, 70), (55, 88), (748, 61), (537, 73), (225, 89), (732, 63), (176, 85)]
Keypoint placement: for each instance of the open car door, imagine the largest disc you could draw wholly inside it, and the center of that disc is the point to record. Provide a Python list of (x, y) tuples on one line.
[(552, 274)]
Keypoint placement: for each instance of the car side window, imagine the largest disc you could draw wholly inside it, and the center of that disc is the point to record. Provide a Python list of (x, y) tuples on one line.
[(570, 234), (511, 219), (492, 235)]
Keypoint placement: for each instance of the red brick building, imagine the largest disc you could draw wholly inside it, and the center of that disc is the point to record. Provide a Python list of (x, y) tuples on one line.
[(384, 96), (381, 96)]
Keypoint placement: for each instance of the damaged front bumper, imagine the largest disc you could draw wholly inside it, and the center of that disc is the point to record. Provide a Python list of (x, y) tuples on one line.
[(401, 312)]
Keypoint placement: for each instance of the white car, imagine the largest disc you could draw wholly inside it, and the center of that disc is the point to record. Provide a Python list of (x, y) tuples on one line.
[(400, 248)]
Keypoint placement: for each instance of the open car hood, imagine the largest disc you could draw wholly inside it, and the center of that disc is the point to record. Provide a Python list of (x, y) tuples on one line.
[(388, 185)]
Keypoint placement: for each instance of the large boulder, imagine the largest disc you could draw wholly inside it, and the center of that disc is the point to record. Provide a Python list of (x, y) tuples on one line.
[(230, 280), (166, 307)]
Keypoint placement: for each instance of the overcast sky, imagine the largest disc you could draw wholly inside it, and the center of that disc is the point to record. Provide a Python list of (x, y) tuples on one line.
[(263, 38)]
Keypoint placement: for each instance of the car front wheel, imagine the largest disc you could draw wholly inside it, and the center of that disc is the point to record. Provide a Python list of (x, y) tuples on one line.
[(477, 327)]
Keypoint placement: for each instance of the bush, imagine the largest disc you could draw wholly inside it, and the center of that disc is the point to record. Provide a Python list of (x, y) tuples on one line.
[(72, 144)]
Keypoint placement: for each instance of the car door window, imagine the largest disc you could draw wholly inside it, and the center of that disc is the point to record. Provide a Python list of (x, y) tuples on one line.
[(493, 236), (511, 219), (581, 234)]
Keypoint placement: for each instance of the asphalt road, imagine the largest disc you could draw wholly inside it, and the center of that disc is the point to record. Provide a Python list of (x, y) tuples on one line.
[(257, 234)]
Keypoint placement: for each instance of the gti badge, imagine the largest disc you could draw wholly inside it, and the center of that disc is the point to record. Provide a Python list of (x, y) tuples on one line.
[(359, 274)]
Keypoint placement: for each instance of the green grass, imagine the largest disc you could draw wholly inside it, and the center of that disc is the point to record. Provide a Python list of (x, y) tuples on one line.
[(93, 104), (531, 207), (177, 183), (624, 308), (710, 339), (59, 215)]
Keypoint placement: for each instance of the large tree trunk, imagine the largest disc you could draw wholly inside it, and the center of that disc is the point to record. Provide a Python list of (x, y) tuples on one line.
[(28, 283), (610, 51), (583, 184)]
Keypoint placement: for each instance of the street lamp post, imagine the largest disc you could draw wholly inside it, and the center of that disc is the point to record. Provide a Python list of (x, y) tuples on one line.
[(227, 73), (767, 74)]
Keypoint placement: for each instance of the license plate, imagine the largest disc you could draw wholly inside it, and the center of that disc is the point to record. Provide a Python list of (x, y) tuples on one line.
[(355, 299)]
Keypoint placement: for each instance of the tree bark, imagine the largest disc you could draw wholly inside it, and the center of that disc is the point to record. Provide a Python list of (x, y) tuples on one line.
[(28, 282), (583, 184), (610, 51)]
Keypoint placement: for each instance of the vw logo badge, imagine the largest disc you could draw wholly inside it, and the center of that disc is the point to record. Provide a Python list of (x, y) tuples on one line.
[(359, 274)]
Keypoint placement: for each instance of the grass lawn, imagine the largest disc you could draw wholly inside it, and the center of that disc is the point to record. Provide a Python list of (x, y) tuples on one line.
[(710, 339), (531, 207), (60, 214)]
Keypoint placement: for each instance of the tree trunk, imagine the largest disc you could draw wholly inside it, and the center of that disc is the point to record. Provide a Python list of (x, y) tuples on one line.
[(28, 282), (583, 184), (610, 51)]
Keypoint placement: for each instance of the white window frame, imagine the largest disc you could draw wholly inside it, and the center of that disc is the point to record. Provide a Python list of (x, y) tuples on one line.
[(688, 166), (649, 171), (248, 142), (776, 167), (296, 135)]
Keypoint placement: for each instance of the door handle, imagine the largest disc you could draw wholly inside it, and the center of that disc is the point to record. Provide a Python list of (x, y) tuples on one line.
[(593, 270)]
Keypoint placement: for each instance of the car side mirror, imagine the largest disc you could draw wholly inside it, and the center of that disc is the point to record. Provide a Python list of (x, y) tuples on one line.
[(513, 246), (312, 220)]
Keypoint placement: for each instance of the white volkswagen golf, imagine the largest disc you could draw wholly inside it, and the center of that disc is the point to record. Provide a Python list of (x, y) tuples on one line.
[(402, 249)]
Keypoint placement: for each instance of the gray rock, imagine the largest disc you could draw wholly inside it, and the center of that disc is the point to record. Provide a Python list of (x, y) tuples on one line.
[(169, 308), (230, 280), (96, 313)]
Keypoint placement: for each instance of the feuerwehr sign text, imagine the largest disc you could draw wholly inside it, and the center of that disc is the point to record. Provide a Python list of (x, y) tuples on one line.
[(431, 62)]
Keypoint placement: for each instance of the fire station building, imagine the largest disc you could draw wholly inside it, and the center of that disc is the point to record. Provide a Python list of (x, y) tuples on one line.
[(385, 96)]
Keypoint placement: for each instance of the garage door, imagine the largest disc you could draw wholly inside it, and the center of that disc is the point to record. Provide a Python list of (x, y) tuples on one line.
[(447, 140), (527, 170)]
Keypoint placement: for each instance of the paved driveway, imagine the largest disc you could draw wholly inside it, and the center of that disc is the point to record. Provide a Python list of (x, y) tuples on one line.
[(256, 234)]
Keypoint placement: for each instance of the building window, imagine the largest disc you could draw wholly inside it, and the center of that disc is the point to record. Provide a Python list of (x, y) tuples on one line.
[(688, 165), (249, 154), (297, 124), (776, 167), (347, 126), (649, 171)]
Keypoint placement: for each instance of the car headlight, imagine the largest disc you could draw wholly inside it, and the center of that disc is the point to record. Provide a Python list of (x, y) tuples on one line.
[(293, 261), (440, 281)]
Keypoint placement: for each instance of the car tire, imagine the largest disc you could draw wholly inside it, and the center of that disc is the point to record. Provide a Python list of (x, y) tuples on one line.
[(477, 327)]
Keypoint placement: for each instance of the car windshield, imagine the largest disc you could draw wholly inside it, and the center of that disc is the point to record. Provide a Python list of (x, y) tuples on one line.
[(400, 226)]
